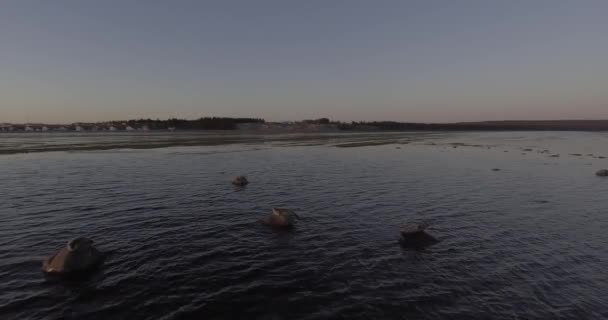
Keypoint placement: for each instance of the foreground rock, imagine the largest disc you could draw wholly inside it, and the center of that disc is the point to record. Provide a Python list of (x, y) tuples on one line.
[(602, 173), (240, 181), (77, 257), (413, 235), (281, 218)]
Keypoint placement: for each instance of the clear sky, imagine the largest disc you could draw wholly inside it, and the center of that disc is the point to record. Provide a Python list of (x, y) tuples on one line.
[(427, 60)]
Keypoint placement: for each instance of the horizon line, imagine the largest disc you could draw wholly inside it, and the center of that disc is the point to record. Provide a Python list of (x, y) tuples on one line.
[(301, 120)]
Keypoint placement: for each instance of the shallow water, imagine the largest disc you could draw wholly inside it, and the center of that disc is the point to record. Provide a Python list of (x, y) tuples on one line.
[(527, 241), (13, 143)]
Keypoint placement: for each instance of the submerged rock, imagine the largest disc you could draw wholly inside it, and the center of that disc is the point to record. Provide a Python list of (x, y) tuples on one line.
[(602, 173), (413, 235), (283, 218), (240, 181), (78, 256)]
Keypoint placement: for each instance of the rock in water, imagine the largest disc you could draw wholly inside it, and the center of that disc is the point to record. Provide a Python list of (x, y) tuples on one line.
[(602, 173), (283, 218), (78, 256), (240, 181), (413, 235), (411, 228)]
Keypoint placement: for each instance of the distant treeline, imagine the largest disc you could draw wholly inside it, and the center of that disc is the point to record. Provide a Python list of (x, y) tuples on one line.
[(566, 125), (224, 123), (208, 123), (319, 121)]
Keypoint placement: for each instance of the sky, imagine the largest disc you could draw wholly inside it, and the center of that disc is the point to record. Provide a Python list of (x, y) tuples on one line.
[(426, 61)]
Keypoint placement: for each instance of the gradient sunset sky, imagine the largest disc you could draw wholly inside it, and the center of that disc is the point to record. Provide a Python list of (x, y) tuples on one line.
[(427, 60)]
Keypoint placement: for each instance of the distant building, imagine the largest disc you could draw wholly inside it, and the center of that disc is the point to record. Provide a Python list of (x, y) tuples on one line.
[(6, 127)]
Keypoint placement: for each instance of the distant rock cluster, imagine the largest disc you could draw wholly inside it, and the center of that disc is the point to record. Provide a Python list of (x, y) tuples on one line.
[(80, 257)]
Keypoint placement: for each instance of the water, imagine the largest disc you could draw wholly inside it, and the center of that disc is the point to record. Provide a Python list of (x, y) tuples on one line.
[(526, 242)]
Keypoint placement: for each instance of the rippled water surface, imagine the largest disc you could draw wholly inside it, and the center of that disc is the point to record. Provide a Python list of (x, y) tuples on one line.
[(526, 242)]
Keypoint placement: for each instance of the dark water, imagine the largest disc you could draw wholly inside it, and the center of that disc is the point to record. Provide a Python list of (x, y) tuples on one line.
[(526, 242)]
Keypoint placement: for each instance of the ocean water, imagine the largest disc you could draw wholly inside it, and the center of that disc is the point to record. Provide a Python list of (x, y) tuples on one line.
[(526, 242)]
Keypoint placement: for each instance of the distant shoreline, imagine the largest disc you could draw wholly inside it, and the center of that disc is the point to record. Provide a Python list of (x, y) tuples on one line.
[(38, 142), (254, 126)]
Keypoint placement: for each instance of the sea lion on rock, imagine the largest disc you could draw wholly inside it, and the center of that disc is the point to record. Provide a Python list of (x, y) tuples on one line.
[(79, 255), (282, 218)]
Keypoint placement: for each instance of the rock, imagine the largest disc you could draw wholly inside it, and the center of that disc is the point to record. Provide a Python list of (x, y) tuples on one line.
[(602, 173), (78, 256), (411, 228), (413, 235), (240, 181), (282, 218)]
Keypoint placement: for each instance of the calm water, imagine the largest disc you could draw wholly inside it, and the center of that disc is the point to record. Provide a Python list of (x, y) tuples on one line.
[(526, 242)]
